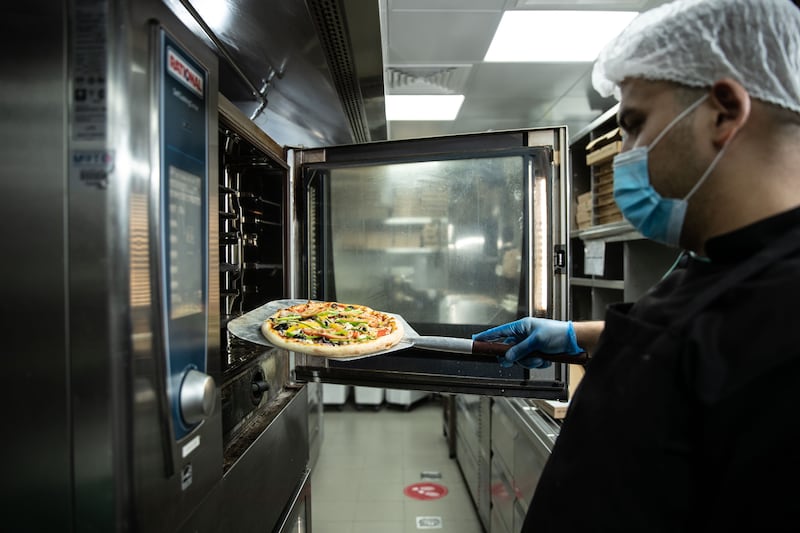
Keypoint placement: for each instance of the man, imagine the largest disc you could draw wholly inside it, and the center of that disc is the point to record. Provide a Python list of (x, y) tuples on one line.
[(685, 419)]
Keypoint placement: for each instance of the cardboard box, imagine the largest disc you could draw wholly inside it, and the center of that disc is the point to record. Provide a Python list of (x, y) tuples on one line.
[(583, 210), (604, 148), (583, 219), (605, 210), (603, 179), (554, 408), (376, 240), (603, 172), (608, 219), (575, 375), (407, 238), (603, 199), (604, 187)]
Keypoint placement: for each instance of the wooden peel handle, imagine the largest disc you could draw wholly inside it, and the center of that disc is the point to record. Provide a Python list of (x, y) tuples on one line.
[(499, 349)]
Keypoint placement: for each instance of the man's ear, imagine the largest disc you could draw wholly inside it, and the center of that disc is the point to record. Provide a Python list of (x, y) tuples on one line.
[(732, 102)]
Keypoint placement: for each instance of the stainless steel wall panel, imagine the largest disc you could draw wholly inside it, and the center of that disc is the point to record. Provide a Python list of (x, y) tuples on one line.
[(280, 41), (35, 395), (85, 370), (98, 277), (316, 420)]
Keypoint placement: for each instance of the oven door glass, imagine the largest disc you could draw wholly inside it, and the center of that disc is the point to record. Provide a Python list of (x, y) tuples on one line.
[(452, 238)]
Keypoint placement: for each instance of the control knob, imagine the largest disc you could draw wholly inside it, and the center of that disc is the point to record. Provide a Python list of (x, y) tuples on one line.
[(198, 396)]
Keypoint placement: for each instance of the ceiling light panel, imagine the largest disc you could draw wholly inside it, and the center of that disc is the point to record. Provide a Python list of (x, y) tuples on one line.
[(423, 106), (632, 5), (555, 36), (455, 5)]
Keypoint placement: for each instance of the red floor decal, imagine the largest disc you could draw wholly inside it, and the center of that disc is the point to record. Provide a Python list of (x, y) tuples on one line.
[(425, 491)]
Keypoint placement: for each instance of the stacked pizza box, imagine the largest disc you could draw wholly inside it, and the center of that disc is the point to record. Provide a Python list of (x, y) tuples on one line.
[(406, 236), (376, 239), (435, 201), (583, 211), (371, 203), (420, 201), (434, 234), (604, 206), (600, 153), (424, 207), (405, 203)]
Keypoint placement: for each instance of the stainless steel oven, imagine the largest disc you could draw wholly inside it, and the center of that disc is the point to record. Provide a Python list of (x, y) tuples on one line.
[(154, 211)]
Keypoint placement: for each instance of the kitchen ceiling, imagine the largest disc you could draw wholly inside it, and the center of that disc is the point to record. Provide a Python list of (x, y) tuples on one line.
[(437, 47), (324, 67)]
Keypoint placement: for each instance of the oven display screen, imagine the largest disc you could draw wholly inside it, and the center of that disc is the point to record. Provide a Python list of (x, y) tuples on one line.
[(185, 243)]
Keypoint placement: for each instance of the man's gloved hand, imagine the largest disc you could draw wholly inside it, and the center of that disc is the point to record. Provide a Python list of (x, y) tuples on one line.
[(529, 335)]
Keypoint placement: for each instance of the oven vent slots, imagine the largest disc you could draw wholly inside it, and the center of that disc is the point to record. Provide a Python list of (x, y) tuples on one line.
[(439, 79), (335, 40)]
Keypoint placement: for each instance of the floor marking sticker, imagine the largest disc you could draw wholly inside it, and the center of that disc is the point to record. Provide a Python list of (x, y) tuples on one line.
[(425, 491), (429, 522)]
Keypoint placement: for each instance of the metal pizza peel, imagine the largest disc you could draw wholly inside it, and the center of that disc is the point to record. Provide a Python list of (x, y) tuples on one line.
[(248, 327)]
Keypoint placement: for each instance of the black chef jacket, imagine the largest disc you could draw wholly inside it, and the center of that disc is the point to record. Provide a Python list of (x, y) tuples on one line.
[(687, 417)]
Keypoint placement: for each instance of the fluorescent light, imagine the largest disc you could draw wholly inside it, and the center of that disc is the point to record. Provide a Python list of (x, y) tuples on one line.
[(555, 36), (474, 241), (423, 106), (215, 13), (402, 221)]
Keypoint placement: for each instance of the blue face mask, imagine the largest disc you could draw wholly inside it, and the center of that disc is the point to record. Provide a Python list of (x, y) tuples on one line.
[(657, 218)]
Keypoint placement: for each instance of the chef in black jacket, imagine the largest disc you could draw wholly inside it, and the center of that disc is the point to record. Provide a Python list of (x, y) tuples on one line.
[(687, 417)]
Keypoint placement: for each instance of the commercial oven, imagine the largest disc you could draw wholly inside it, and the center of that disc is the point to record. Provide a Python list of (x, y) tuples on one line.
[(154, 210)]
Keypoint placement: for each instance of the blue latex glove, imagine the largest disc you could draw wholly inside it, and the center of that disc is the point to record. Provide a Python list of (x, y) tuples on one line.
[(530, 335)]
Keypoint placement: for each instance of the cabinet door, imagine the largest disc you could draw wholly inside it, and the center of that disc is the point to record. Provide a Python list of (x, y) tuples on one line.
[(503, 498), (504, 434), (532, 451)]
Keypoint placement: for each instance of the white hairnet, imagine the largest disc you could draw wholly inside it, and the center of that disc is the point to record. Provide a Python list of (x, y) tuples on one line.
[(697, 42)]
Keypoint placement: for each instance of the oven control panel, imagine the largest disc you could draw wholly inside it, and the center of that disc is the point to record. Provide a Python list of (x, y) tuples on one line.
[(184, 235)]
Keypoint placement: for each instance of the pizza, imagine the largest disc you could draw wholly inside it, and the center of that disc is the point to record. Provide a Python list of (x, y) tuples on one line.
[(332, 329)]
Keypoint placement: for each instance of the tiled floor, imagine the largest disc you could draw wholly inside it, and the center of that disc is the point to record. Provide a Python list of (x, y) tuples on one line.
[(369, 456)]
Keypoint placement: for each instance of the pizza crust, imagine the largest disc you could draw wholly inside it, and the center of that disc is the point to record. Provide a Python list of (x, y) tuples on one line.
[(335, 350)]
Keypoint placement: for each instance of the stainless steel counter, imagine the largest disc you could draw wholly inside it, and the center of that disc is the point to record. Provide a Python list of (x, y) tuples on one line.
[(501, 446), (522, 439)]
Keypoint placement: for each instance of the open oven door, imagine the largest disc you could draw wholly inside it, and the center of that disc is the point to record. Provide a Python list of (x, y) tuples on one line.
[(456, 234)]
